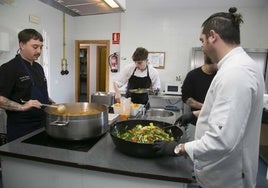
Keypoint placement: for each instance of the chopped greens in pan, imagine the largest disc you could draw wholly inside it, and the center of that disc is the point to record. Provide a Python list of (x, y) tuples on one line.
[(145, 134)]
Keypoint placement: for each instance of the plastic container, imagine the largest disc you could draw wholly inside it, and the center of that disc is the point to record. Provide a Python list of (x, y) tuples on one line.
[(117, 108), (135, 108), (125, 108)]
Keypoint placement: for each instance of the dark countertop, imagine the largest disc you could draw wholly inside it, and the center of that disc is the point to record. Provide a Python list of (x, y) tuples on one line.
[(104, 157)]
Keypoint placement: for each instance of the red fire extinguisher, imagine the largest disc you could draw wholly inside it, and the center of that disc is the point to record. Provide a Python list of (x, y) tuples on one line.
[(114, 62)]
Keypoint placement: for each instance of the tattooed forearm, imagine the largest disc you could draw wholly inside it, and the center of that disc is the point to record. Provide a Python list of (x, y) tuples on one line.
[(7, 104)]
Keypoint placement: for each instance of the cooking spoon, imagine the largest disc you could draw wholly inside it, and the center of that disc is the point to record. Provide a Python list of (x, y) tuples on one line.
[(174, 129), (170, 126), (60, 108)]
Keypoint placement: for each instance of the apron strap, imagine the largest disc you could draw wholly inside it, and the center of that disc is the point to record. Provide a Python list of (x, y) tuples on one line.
[(134, 71), (27, 70)]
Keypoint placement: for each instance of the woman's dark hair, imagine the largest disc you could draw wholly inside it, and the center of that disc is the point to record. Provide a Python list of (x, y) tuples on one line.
[(227, 25), (140, 54), (28, 34)]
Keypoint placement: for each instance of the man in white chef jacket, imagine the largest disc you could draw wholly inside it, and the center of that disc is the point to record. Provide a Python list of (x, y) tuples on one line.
[(226, 146)]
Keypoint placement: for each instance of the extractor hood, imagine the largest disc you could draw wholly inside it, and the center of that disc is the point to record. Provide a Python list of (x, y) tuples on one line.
[(85, 7)]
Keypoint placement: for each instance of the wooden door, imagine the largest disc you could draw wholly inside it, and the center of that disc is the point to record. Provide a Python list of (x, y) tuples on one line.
[(101, 68)]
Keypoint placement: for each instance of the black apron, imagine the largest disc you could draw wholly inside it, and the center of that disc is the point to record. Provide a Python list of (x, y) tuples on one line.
[(22, 123), (135, 82)]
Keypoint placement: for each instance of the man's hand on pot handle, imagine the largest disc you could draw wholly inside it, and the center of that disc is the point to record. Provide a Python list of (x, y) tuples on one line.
[(184, 119), (164, 148)]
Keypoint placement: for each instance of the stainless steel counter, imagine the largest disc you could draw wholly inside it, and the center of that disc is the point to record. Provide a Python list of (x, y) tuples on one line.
[(173, 102)]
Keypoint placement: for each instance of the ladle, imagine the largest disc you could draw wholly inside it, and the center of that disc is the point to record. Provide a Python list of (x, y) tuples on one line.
[(171, 126), (174, 129), (60, 108)]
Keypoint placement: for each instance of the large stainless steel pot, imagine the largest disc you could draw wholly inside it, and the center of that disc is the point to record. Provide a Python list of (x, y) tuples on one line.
[(79, 122)]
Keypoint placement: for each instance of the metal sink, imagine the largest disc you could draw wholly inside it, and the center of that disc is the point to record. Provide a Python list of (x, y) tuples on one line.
[(159, 113)]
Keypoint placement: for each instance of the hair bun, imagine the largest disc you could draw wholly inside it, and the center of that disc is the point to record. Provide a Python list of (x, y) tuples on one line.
[(232, 10)]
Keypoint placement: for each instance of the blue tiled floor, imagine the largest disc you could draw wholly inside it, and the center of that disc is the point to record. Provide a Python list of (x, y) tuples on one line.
[(262, 182)]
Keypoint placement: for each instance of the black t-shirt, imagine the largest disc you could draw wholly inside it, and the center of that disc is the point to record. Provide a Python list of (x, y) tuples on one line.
[(196, 85), (15, 82)]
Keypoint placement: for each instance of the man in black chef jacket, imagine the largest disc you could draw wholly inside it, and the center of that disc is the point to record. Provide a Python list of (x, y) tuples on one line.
[(140, 75), (22, 79)]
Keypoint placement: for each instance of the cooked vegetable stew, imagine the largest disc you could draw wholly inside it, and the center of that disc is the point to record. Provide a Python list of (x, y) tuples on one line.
[(145, 134)]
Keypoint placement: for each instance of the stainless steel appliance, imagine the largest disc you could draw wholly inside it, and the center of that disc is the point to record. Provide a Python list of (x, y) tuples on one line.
[(259, 55), (105, 98), (173, 89), (80, 121)]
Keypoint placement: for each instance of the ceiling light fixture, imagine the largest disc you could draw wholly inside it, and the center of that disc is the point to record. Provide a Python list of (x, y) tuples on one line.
[(112, 3)]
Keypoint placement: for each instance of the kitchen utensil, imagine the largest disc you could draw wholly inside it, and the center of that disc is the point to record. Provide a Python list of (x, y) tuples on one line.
[(135, 109), (173, 125), (125, 107), (105, 98), (160, 114), (169, 127), (143, 150), (60, 108), (116, 108), (64, 64), (80, 121), (173, 128), (139, 90)]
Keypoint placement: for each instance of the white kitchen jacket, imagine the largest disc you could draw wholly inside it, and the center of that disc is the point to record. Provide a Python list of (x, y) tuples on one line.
[(226, 147)]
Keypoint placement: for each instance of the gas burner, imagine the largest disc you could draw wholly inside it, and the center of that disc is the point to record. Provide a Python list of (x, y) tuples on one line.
[(43, 139)]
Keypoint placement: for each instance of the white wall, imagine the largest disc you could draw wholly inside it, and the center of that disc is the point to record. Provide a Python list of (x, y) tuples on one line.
[(177, 31), (172, 31), (99, 27), (15, 17)]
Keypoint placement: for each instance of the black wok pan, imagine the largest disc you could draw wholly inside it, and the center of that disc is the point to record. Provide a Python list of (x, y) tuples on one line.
[(139, 149)]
